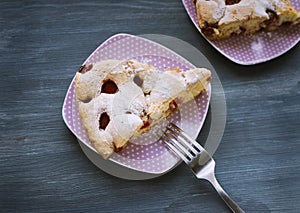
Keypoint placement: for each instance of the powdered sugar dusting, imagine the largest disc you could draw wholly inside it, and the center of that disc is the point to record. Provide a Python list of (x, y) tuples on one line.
[(257, 45)]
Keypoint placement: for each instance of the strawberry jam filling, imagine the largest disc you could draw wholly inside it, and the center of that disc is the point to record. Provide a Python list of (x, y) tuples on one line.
[(103, 120), (173, 105), (231, 2), (85, 68), (146, 124), (109, 87), (208, 29), (273, 17), (119, 149)]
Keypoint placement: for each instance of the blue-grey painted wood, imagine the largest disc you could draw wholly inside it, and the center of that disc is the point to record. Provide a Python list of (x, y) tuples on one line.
[(42, 43)]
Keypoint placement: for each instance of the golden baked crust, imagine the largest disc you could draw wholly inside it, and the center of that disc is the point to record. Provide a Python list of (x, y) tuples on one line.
[(219, 19), (119, 100)]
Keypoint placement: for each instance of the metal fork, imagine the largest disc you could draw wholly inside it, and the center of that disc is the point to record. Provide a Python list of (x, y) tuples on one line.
[(197, 158)]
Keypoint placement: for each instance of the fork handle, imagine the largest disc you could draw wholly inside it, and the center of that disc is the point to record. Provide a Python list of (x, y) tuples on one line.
[(230, 203)]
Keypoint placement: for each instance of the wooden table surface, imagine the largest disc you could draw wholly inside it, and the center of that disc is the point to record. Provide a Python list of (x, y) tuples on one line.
[(43, 169)]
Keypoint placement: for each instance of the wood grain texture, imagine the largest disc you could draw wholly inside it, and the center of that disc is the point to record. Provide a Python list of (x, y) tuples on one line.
[(43, 169)]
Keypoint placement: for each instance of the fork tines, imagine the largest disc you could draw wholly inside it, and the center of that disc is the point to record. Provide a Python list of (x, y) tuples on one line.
[(182, 144), (197, 158)]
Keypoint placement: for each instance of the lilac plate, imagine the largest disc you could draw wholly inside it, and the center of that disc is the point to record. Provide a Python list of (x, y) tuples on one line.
[(253, 49), (147, 153)]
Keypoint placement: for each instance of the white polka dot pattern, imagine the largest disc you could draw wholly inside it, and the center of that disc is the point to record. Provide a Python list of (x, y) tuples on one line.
[(147, 153), (253, 49)]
